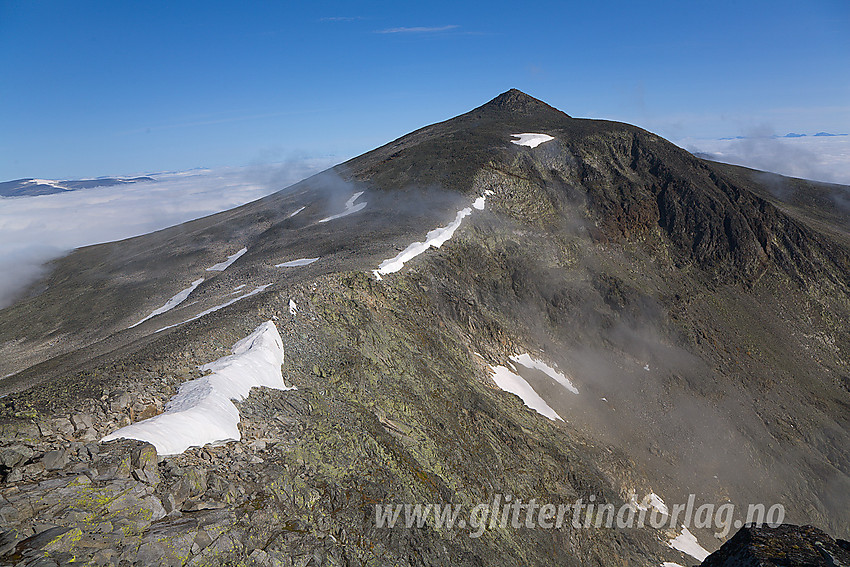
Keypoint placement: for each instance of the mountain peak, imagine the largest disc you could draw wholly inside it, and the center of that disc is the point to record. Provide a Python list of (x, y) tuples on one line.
[(517, 102)]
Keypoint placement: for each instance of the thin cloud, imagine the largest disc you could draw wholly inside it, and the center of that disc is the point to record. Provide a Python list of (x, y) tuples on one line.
[(419, 29), (341, 19)]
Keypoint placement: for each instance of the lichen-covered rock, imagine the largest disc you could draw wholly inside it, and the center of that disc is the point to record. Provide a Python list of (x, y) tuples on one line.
[(8, 539), (786, 545), (143, 461)]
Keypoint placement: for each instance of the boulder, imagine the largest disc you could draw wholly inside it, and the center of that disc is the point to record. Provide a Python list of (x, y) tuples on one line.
[(143, 461), (55, 460), (14, 455)]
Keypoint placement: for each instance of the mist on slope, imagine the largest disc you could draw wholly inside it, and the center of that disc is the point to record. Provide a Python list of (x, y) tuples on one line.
[(686, 427), (600, 313), (35, 230)]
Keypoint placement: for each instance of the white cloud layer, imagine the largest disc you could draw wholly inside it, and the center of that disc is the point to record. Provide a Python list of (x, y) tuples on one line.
[(35, 230), (821, 158)]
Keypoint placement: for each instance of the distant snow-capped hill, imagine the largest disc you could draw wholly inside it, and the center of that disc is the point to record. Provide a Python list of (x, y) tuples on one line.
[(30, 186)]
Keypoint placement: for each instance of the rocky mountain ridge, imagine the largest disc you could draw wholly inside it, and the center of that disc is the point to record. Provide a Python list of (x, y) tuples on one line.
[(698, 315)]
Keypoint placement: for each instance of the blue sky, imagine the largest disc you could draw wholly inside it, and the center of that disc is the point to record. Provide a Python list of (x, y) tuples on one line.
[(100, 88)]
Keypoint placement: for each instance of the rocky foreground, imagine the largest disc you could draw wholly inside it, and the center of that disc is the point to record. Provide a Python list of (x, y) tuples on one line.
[(68, 497)]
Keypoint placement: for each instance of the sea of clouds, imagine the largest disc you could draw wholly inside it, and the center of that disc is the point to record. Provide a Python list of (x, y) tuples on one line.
[(35, 230), (821, 158)]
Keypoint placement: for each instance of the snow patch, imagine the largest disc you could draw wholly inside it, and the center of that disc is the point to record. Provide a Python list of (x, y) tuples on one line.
[(670, 564), (687, 542), (50, 182), (350, 208), (656, 502), (217, 307), (531, 140), (434, 238), (176, 300), (293, 309), (511, 382), (296, 263), (221, 266), (651, 500), (202, 411), (527, 361), (296, 212)]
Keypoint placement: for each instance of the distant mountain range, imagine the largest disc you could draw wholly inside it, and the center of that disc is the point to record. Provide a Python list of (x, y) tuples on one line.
[(30, 187), (795, 135), (788, 135)]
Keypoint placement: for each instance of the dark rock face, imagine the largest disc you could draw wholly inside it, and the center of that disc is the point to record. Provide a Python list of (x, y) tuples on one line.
[(725, 226), (516, 103), (783, 546)]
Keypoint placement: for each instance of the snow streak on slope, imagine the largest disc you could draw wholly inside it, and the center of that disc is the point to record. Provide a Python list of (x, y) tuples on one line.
[(296, 212), (687, 542), (511, 382), (293, 308), (651, 500), (221, 266), (217, 307), (528, 362), (202, 411), (656, 502), (531, 140), (434, 238), (296, 263), (350, 208), (173, 302)]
